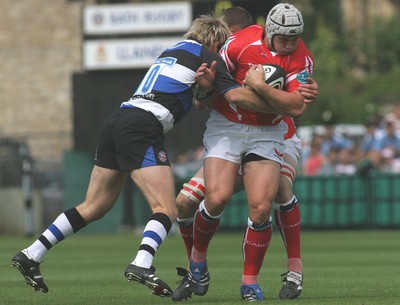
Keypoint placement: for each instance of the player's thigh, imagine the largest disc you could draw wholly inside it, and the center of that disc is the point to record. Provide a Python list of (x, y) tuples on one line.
[(261, 182), (220, 177), (157, 186), (224, 143)]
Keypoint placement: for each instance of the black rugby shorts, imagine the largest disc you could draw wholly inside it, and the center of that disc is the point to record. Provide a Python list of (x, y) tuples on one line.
[(131, 138)]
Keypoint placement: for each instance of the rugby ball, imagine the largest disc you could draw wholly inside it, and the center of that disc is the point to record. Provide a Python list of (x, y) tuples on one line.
[(274, 76)]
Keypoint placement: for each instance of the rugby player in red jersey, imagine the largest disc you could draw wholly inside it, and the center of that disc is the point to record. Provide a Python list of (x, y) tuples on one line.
[(238, 136)]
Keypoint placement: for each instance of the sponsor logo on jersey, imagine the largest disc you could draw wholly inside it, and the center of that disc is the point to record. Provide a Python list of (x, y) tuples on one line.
[(147, 96), (302, 77), (169, 61)]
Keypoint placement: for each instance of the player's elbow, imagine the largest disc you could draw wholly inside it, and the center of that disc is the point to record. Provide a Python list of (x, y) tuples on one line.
[(232, 96), (298, 107), (297, 111)]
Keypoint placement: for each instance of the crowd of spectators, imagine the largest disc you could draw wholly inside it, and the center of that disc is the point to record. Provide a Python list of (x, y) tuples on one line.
[(334, 153)]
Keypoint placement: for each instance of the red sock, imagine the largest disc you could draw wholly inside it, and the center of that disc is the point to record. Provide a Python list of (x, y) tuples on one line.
[(203, 230), (255, 245), (187, 236), (289, 226)]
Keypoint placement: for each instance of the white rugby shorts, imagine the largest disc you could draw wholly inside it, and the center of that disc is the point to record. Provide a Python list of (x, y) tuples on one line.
[(232, 141), (293, 148)]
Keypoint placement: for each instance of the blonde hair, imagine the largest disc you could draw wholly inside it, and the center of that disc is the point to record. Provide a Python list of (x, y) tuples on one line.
[(208, 30)]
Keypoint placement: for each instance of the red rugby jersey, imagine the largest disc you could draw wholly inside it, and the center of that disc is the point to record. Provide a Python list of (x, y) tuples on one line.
[(291, 126), (247, 48)]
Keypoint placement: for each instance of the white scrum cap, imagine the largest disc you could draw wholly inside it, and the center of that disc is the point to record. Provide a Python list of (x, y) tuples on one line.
[(283, 19)]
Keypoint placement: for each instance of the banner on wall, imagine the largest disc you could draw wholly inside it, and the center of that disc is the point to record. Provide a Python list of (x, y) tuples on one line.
[(104, 25), (140, 18), (124, 53)]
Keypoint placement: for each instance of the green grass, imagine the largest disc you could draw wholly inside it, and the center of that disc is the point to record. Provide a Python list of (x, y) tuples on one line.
[(341, 268)]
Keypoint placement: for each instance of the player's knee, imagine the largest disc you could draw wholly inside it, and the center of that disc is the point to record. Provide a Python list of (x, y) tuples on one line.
[(186, 207), (217, 200), (259, 212), (285, 191), (181, 201)]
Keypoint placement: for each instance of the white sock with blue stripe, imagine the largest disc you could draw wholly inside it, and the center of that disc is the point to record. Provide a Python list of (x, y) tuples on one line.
[(153, 236), (65, 225)]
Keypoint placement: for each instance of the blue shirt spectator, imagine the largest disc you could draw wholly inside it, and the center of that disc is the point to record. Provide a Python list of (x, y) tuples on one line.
[(368, 140), (334, 141), (390, 140)]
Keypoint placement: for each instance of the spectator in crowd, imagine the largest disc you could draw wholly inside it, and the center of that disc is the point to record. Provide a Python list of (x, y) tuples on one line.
[(328, 168), (386, 160), (365, 157), (306, 146), (386, 147), (334, 140), (394, 117), (345, 164), (368, 140), (315, 161)]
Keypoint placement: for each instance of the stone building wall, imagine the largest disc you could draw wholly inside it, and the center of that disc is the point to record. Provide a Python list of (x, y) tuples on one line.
[(40, 48)]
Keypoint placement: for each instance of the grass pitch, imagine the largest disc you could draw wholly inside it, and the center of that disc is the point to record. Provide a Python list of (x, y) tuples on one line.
[(340, 268)]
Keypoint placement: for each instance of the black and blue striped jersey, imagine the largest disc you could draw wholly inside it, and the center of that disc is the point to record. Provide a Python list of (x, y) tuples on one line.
[(170, 80)]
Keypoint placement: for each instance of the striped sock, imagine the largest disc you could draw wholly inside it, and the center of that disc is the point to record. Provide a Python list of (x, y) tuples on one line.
[(65, 225), (154, 234)]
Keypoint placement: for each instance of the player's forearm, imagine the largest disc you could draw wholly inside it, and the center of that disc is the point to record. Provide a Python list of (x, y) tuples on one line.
[(291, 104), (249, 100)]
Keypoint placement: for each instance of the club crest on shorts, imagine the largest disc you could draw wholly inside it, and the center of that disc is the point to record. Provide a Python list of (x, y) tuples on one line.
[(162, 156)]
